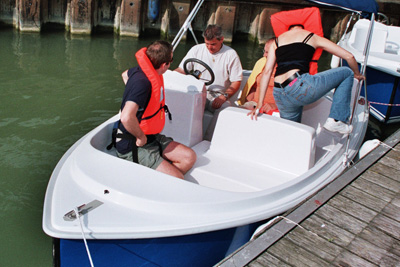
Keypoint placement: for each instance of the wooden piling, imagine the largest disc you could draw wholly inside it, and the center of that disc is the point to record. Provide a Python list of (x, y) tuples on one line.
[(81, 21), (265, 30), (225, 17), (28, 15), (130, 18), (174, 17), (237, 18)]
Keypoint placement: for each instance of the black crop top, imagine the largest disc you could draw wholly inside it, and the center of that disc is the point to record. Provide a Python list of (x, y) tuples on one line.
[(294, 56)]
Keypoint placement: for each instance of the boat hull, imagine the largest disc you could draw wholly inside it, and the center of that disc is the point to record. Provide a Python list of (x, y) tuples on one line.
[(383, 94), (383, 69), (205, 249)]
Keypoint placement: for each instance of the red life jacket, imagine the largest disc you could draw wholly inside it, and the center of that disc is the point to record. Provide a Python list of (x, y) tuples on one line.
[(310, 18), (153, 119)]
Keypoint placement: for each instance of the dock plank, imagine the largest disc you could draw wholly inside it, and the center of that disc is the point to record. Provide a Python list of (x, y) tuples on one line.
[(328, 231), (381, 176), (389, 261), (390, 162), (396, 201), (388, 225), (396, 248), (379, 238), (392, 211), (268, 260), (361, 197), (385, 176), (394, 153), (310, 240), (295, 255), (352, 208), (367, 250), (348, 259), (341, 219), (373, 189)]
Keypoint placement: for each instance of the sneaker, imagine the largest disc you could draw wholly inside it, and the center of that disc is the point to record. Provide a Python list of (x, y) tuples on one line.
[(337, 126)]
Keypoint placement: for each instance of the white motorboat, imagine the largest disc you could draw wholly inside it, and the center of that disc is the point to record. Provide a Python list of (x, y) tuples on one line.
[(249, 172), (126, 214), (383, 68)]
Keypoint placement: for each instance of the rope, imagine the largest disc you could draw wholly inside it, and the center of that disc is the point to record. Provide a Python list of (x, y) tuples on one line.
[(387, 146), (83, 236), (384, 104)]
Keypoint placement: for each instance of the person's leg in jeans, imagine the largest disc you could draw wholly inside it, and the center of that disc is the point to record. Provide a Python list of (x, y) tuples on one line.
[(309, 88), (342, 79)]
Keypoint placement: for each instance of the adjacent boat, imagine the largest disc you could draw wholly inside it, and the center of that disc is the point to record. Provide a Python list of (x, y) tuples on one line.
[(105, 211), (383, 68)]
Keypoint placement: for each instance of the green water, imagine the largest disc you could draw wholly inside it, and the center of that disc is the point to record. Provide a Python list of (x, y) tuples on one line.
[(54, 88)]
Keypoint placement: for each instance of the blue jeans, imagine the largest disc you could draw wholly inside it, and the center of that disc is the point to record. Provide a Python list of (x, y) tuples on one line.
[(309, 88)]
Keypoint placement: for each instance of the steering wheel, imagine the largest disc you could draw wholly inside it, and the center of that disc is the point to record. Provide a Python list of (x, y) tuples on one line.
[(382, 18), (198, 73)]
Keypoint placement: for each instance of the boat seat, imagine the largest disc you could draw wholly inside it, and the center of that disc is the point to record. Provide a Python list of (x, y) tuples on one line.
[(208, 115), (359, 36), (247, 155)]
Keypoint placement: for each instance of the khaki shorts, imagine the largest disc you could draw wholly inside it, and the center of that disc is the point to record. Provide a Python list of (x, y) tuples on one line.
[(150, 155)]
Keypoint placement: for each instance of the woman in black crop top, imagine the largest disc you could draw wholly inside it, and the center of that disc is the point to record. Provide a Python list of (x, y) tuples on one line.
[(294, 87)]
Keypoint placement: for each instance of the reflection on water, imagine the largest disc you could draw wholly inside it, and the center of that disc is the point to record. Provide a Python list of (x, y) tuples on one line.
[(53, 90)]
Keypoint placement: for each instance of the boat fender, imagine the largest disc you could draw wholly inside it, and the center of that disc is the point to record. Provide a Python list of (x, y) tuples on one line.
[(367, 147), (153, 10)]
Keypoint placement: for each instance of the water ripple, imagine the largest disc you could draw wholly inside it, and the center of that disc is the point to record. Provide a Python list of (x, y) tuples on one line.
[(7, 121), (39, 121)]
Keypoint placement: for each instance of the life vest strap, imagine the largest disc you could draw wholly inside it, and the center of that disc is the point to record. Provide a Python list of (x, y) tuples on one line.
[(128, 136), (165, 107), (115, 135)]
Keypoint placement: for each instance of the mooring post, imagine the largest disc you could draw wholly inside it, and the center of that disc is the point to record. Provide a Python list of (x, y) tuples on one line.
[(130, 21), (265, 30), (225, 17), (28, 15), (174, 17), (81, 16)]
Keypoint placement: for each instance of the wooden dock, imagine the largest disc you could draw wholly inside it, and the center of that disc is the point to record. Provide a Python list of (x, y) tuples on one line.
[(238, 18), (354, 221)]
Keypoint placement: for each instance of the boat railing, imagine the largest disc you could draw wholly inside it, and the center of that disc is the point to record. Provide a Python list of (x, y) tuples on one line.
[(187, 25)]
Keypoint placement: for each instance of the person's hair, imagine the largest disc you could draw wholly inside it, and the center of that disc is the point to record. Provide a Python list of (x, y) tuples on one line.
[(213, 31), (159, 52), (294, 25)]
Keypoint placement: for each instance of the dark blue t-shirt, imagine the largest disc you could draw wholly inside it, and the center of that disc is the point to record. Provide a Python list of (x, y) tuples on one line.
[(138, 90)]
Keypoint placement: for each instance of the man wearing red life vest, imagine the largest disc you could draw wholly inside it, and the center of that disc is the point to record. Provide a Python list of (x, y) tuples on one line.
[(143, 115)]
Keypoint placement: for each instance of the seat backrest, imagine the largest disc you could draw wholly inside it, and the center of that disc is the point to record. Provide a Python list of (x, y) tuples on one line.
[(185, 98), (276, 142)]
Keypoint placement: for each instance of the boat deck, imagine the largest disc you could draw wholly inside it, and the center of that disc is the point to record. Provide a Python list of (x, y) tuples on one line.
[(358, 226)]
